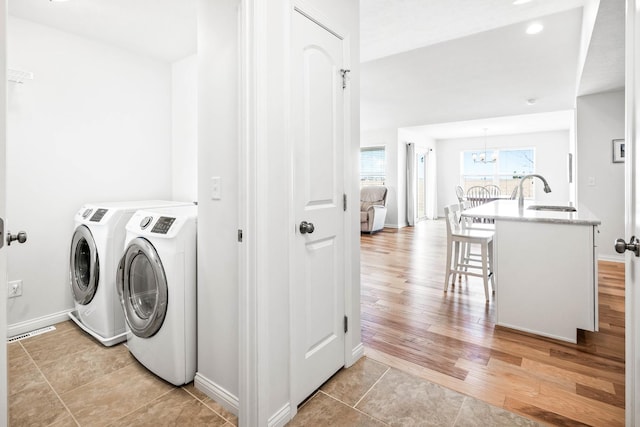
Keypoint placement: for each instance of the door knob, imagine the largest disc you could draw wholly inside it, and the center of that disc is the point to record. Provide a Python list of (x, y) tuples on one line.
[(21, 237), (306, 227), (633, 245)]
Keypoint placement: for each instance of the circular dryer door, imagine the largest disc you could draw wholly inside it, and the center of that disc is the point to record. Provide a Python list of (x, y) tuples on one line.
[(84, 267), (142, 286)]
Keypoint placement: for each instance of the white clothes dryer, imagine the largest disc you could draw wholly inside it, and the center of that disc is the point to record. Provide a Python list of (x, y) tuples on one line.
[(156, 282), (96, 247)]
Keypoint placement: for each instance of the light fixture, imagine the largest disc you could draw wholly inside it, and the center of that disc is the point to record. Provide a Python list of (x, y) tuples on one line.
[(519, 2), (482, 157), (534, 28), (531, 101)]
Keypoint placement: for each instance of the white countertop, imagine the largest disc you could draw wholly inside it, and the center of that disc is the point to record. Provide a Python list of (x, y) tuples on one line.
[(507, 210)]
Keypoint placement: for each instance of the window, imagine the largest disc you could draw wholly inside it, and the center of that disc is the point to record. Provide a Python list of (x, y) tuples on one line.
[(505, 172), (372, 166)]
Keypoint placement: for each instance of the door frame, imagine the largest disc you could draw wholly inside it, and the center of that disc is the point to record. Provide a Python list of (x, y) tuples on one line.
[(4, 404), (305, 9), (632, 292), (254, 302)]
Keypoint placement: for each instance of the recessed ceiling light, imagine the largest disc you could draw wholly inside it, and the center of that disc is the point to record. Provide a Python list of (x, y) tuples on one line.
[(535, 28), (57, 0), (531, 101), (520, 1)]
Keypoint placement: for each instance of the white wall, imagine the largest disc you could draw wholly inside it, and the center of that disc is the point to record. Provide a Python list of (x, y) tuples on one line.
[(600, 118), (218, 155), (184, 130), (94, 125), (551, 153)]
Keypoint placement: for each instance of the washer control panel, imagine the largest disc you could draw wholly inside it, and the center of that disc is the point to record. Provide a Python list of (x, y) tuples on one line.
[(163, 224)]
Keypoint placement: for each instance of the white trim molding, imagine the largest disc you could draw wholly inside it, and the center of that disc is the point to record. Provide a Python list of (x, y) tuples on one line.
[(226, 399), (281, 417), (253, 299), (37, 323), (356, 353), (611, 258)]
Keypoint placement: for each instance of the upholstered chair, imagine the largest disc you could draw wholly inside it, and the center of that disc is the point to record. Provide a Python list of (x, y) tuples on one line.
[(373, 208)]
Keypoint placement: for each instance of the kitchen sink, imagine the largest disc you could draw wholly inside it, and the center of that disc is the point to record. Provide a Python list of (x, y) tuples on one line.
[(552, 208)]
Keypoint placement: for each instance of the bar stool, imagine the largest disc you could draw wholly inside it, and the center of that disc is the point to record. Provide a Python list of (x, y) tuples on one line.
[(458, 238)]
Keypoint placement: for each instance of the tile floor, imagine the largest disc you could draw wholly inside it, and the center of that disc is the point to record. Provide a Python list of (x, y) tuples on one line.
[(65, 378)]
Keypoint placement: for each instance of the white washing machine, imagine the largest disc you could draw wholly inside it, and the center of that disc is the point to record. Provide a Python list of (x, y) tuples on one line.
[(96, 247), (157, 287)]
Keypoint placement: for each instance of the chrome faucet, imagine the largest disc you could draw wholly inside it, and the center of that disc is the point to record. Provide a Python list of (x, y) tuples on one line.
[(547, 189)]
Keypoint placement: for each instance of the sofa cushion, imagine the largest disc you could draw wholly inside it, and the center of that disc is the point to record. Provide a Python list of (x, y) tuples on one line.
[(364, 216)]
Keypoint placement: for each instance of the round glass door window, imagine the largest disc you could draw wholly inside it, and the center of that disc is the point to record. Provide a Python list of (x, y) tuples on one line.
[(84, 266), (142, 286)]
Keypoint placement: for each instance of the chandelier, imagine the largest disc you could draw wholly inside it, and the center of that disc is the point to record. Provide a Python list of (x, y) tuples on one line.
[(482, 157)]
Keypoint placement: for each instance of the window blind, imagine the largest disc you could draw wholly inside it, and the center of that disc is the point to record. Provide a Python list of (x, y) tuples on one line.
[(372, 166)]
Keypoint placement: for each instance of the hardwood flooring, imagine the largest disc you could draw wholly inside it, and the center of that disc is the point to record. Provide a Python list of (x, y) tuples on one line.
[(449, 338)]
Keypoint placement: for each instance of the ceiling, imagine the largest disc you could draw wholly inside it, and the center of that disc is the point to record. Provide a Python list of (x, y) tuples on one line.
[(454, 65), (604, 66), (424, 62), (388, 27), (162, 29)]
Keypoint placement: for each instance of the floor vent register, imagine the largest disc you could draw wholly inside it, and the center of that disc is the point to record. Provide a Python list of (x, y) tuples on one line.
[(31, 334)]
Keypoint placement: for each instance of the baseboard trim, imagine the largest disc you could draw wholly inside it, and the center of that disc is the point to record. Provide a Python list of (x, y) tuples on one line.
[(228, 401), (611, 258), (356, 353), (37, 323), (281, 417), (396, 225)]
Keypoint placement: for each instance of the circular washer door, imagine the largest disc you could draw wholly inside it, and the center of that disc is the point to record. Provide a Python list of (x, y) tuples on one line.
[(84, 266), (142, 286)]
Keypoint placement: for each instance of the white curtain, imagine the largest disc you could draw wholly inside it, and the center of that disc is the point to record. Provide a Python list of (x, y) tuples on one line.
[(432, 196), (411, 183)]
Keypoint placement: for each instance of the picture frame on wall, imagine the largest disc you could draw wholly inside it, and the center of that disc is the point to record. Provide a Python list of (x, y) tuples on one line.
[(618, 150)]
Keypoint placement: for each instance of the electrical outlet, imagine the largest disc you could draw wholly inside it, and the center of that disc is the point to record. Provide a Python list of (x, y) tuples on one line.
[(14, 288)]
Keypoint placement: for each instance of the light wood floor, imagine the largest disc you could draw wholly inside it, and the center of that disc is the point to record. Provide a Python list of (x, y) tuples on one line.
[(449, 338)]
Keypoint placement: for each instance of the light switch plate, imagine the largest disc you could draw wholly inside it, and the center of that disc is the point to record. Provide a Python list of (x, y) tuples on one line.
[(215, 188)]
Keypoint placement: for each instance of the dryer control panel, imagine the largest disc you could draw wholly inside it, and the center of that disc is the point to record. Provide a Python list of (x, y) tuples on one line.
[(163, 225)]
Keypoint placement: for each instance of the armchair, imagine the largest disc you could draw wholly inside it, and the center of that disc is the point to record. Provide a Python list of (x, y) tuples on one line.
[(373, 210)]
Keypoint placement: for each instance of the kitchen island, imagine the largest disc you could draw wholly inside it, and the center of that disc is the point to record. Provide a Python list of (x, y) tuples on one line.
[(545, 267)]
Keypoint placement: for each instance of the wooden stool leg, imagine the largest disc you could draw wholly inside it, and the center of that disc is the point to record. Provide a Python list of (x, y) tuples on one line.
[(448, 266), (456, 262)]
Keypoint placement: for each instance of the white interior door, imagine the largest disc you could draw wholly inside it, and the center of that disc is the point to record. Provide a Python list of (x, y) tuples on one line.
[(317, 288), (3, 250), (632, 209)]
